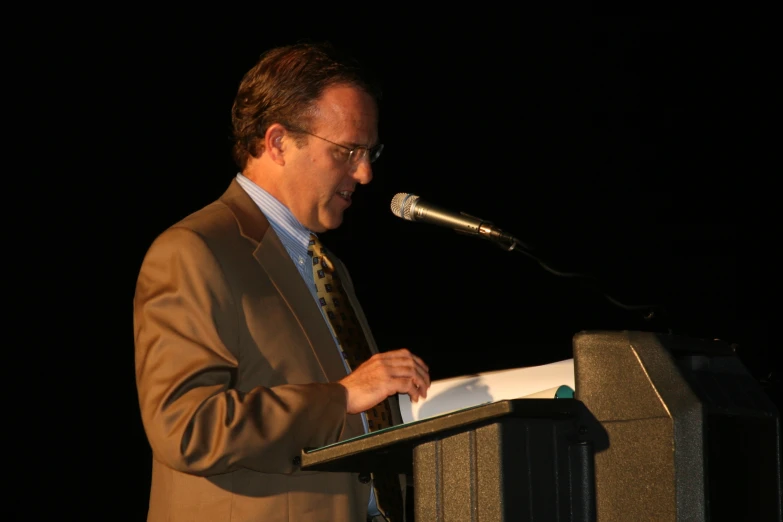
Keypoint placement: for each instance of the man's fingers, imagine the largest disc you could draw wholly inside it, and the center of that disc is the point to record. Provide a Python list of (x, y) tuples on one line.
[(421, 363), (409, 387), (407, 372), (414, 368), (420, 390), (417, 378), (407, 362), (404, 354)]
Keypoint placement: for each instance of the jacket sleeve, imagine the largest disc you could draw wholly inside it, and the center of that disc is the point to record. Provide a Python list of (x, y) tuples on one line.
[(187, 363)]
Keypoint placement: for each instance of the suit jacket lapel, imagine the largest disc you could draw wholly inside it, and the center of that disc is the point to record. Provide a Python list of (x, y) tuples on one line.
[(276, 262)]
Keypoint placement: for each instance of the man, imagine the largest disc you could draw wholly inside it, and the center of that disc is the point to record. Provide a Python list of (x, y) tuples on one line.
[(237, 366)]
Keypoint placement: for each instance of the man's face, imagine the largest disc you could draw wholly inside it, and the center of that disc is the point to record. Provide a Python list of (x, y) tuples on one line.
[(320, 180)]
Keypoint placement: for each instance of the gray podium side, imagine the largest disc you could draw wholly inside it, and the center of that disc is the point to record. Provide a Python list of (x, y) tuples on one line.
[(692, 436)]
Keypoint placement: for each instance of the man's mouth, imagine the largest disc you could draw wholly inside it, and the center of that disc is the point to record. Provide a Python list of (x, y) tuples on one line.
[(345, 194)]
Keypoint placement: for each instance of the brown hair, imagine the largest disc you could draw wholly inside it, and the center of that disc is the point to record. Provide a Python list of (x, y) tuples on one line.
[(284, 86)]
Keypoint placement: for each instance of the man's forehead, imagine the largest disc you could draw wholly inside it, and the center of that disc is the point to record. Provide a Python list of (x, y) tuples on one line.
[(347, 108)]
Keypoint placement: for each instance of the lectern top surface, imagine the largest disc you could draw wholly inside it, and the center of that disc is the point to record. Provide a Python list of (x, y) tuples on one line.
[(364, 451)]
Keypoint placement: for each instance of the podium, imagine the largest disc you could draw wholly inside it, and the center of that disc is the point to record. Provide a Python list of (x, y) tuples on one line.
[(511, 460), (661, 427)]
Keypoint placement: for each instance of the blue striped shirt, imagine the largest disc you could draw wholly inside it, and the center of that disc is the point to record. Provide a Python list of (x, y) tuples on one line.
[(295, 238)]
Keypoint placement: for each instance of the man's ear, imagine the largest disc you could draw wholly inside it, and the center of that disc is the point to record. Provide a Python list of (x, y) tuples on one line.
[(274, 143)]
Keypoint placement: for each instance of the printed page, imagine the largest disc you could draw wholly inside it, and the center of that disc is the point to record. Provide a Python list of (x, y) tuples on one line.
[(455, 393)]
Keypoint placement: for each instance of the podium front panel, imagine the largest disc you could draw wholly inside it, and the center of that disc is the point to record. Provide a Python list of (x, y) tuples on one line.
[(521, 460), (516, 469)]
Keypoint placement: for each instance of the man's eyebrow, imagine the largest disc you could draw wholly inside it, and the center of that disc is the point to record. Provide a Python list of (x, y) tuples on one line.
[(353, 145)]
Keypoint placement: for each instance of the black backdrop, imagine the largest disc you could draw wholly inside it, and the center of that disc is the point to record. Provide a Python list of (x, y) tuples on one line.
[(614, 145)]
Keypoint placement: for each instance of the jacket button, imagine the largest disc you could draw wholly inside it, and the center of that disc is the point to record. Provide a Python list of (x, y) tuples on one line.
[(297, 461)]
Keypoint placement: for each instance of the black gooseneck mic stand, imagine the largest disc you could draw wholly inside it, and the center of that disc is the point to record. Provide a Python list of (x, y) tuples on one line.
[(510, 243)]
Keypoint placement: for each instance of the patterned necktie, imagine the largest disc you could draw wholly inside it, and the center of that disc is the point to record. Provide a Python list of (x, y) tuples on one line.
[(355, 350)]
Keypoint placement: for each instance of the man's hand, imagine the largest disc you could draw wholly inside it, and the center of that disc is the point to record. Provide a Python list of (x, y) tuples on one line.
[(384, 374)]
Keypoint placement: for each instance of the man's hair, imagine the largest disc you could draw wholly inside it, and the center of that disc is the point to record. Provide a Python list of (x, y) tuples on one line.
[(284, 86)]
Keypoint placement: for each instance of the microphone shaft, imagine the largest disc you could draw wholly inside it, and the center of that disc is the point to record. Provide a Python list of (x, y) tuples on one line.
[(438, 216)]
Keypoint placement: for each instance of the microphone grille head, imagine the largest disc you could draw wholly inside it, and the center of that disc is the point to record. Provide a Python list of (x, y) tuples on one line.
[(401, 205)]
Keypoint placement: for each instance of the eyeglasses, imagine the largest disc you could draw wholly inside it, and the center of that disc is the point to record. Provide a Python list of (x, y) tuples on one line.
[(355, 154)]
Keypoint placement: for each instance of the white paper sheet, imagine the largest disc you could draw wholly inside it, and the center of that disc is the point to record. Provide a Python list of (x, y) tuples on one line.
[(455, 393)]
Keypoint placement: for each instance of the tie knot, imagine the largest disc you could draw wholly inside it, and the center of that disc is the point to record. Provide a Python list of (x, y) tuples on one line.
[(318, 252), (315, 246)]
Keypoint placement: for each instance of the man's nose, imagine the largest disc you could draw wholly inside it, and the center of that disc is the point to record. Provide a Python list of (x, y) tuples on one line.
[(363, 171)]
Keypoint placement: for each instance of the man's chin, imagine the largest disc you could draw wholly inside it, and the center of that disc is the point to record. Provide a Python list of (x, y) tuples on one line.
[(330, 222)]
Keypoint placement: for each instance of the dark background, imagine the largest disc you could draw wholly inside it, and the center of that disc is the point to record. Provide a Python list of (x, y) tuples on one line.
[(615, 146)]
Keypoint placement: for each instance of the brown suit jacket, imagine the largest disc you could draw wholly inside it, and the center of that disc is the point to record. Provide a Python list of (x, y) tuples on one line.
[(236, 372)]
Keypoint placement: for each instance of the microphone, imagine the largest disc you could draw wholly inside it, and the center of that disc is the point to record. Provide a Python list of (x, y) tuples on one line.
[(411, 208)]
